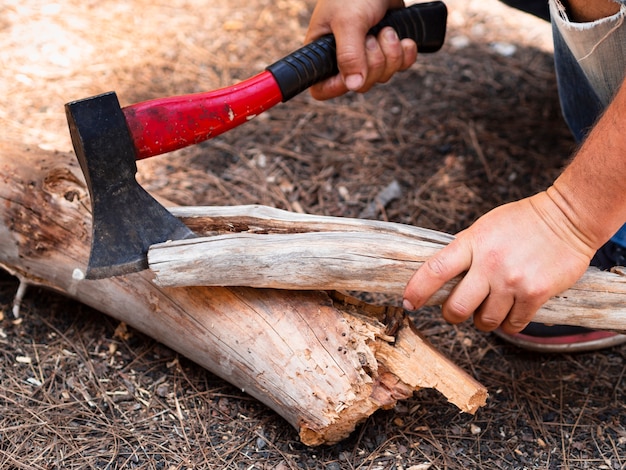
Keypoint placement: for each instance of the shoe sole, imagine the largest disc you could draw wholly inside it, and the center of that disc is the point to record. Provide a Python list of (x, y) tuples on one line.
[(584, 342)]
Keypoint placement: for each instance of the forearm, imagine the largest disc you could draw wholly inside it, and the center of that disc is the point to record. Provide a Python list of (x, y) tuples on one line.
[(591, 192), (585, 10), (519, 255)]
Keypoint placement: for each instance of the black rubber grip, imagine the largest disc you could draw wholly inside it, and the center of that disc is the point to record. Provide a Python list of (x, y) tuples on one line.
[(425, 23)]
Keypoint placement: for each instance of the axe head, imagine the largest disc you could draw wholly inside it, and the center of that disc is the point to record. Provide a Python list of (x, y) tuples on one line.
[(126, 219)]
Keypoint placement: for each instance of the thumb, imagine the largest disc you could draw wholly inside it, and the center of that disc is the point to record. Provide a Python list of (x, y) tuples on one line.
[(351, 56), (350, 37), (351, 30)]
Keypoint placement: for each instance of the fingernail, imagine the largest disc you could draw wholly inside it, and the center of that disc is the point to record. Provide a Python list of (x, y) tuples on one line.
[(390, 35), (354, 82), (407, 305), (371, 43)]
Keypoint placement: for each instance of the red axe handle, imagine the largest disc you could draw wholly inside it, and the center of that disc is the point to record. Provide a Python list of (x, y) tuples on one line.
[(163, 125)]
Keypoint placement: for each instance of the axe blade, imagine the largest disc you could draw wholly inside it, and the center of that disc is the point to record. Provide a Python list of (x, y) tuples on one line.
[(126, 219)]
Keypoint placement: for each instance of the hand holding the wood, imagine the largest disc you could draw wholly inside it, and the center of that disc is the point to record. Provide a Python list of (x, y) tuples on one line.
[(519, 255), (363, 60), (515, 258)]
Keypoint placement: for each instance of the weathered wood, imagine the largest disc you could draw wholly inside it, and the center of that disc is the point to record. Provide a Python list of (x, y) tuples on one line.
[(296, 251), (368, 262), (323, 362)]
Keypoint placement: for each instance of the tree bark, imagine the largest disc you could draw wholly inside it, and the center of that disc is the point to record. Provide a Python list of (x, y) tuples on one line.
[(322, 361), (283, 250)]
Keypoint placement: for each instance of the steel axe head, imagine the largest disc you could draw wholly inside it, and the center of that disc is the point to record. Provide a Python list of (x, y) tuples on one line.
[(126, 219)]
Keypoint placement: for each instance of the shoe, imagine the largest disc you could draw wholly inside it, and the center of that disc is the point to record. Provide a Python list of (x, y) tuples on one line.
[(562, 338), (569, 339)]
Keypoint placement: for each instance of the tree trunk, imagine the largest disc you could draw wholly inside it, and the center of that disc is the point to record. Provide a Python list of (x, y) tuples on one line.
[(283, 250), (322, 361)]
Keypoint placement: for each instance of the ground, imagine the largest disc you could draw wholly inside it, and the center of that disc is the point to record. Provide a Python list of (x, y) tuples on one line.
[(466, 129)]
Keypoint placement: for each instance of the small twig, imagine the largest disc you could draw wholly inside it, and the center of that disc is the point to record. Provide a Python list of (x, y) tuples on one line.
[(479, 151), (301, 123), (391, 192), (19, 296)]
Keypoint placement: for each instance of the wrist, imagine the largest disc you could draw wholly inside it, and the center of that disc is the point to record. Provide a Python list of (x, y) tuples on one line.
[(557, 213), (592, 204)]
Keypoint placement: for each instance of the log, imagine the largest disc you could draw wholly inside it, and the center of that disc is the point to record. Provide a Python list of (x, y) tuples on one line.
[(279, 249), (323, 361)]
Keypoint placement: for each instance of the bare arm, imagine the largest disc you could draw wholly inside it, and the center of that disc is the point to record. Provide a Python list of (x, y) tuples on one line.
[(519, 255), (585, 10)]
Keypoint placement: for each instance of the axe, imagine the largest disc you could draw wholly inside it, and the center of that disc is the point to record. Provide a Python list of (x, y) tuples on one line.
[(108, 139)]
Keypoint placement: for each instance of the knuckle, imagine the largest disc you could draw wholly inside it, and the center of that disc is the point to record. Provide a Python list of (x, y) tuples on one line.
[(456, 311), (436, 265), (393, 57), (349, 59), (515, 325), (393, 52), (376, 60), (538, 292), (517, 321), (487, 322), (532, 292), (527, 290)]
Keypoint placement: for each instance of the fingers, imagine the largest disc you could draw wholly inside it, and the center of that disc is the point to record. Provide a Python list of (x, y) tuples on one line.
[(386, 55), (492, 311), (473, 297), (362, 64), (506, 299), (352, 64), (465, 299), (350, 31), (519, 317), (409, 55), (506, 312), (329, 88), (451, 261), (362, 61), (515, 258)]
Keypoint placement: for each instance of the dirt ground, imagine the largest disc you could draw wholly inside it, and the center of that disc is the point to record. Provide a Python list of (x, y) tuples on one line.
[(466, 129)]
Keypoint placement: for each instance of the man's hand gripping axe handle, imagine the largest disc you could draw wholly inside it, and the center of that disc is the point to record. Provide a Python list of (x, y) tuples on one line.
[(109, 139)]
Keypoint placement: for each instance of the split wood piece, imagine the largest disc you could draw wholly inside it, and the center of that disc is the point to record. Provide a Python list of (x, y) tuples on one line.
[(324, 363), (280, 249), (260, 246)]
